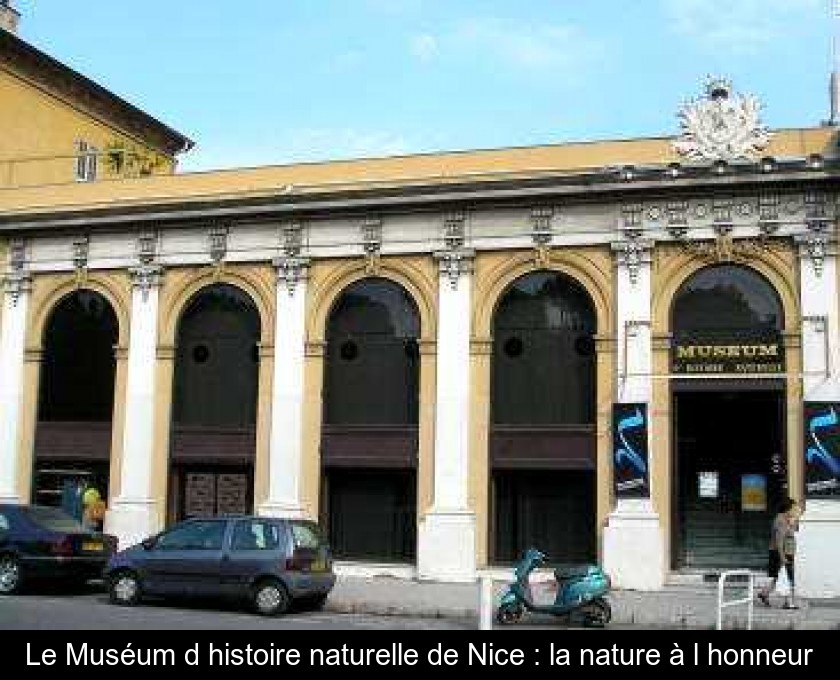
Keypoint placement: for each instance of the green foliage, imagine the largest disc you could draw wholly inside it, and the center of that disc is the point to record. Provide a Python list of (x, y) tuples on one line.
[(127, 160)]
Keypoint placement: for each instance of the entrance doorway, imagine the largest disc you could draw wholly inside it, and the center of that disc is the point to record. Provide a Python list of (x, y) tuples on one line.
[(729, 474)]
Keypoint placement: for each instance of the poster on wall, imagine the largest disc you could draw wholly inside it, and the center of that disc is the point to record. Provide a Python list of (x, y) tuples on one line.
[(753, 493), (822, 449), (707, 484), (630, 450)]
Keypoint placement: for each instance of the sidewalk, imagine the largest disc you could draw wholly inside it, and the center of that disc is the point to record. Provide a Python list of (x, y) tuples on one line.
[(674, 607)]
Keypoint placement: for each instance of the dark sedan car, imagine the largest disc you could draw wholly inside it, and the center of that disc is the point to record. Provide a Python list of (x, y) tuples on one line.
[(267, 561), (38, 541)]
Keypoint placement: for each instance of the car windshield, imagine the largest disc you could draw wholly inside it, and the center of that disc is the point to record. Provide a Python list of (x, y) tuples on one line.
[(53, 519)]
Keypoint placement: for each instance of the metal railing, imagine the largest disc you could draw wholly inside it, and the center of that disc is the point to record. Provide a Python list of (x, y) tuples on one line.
[(748, 600)]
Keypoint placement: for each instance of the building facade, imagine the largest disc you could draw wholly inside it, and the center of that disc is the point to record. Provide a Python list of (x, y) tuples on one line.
[(60, 126), (617, 351)]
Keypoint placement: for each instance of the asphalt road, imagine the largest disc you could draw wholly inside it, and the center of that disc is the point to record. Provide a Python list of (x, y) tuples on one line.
[(89, 609)]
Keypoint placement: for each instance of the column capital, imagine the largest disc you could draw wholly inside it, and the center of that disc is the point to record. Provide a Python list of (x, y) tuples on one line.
[(144, 277), (291, 270), (455, 263), (816, 244), (633, 252), (17, 284)]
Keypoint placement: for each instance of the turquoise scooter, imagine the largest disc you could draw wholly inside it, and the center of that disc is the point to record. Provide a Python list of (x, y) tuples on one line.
[(582, 591)]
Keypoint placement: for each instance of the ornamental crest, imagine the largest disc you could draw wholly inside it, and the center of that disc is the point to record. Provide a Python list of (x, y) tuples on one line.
[(721, 126)]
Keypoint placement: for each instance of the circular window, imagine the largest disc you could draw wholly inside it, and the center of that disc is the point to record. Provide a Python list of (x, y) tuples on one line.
[(349, 350), (513, 347), (200, 354), (585, 345)]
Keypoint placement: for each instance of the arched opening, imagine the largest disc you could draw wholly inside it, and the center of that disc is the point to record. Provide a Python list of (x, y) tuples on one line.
[(214, 406), (542, 437), (370, 422), (75, 401), (728, 408)]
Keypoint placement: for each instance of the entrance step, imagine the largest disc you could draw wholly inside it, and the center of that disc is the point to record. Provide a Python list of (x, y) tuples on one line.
[(705, 579)]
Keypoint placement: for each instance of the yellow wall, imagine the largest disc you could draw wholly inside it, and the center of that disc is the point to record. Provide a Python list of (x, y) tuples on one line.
[(40, 132)]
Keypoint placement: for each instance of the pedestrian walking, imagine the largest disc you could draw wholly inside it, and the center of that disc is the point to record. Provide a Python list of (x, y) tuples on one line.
[(782, 552)]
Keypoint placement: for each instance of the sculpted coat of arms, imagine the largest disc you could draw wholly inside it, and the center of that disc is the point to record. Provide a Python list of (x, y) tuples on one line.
[(721, 126)]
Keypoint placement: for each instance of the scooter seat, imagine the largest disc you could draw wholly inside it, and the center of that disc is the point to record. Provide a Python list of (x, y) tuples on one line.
[(567, 573)]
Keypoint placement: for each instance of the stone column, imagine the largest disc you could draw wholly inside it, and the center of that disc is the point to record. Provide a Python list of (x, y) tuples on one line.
[(132, 515), (286, 438), (446, 549), (819, 534), (634, 542), (12, 344)]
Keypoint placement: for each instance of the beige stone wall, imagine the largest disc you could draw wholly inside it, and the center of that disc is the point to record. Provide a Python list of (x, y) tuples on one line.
[(592, 267)]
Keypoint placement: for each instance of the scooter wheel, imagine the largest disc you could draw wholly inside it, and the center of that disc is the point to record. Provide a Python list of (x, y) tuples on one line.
[(509, 613), (597, 613)]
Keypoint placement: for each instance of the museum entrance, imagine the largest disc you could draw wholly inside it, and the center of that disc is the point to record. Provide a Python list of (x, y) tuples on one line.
[(728, 417), (729, 473)]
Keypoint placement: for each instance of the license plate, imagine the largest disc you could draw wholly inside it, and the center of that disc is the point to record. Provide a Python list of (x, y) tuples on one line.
[(319, 565), (93, 546)]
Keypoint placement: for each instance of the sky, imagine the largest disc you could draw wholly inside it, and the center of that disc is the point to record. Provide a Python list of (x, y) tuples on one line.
[(262, 82)]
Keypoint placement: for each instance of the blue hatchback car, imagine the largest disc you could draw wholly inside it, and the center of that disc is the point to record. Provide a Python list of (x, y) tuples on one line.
[(268, 562)]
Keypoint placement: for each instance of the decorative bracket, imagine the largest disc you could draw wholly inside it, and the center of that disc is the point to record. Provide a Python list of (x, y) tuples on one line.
[(147, 274), (18, 281), (81, 252), (455, 260), (632, 251), (291, 267), (816, 244), (542, 234), (455, 263), (217, 244), (768, 212), (372, 244), (677, 218)]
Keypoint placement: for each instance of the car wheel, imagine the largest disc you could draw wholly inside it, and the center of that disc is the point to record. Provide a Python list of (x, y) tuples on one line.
[(597, 613), (270, 598), (10, 576), (509, 613), (124, 588)]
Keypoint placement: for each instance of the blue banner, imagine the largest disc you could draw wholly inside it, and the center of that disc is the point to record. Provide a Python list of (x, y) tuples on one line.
[(822, 449), (630, 450)]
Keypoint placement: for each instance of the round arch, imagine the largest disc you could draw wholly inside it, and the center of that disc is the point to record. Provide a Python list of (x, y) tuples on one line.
[(575, 266), (411, 279), (103, 285), (250, 284), (679, 270)]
